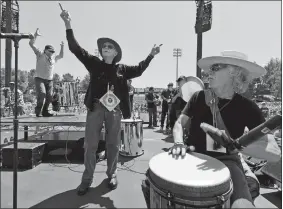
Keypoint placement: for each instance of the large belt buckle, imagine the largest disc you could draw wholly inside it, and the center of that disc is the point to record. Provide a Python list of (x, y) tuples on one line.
[(110, 100)]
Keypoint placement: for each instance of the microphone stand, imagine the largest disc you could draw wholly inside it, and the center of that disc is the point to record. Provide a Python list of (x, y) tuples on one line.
[(16, 40)]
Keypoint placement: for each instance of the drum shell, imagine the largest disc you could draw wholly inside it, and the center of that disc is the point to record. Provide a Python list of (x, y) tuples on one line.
[(188, 196), (131, 137)]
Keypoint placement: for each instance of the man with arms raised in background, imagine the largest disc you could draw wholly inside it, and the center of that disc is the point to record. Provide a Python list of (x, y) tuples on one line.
[(45, 62)]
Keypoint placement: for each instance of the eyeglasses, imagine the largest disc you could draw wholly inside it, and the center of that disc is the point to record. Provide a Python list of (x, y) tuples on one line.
[(217, 67), (51, 51), (108, 46)]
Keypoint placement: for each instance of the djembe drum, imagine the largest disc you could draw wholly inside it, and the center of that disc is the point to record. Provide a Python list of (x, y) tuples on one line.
[(197, 181)]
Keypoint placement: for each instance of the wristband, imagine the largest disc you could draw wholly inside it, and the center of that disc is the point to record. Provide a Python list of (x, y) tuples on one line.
[(179, 143)]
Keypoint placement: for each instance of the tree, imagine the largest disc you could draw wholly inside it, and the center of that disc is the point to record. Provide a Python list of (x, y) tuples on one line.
[(273, 78), (31, 84), (2, 77), (68, 78), (269, 84), (84, 83)]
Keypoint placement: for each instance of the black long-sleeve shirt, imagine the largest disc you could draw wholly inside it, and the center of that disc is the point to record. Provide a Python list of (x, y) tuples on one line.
[(102, 75)]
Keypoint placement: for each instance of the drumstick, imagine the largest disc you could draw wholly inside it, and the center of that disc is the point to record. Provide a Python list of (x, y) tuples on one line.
[(61, 7)]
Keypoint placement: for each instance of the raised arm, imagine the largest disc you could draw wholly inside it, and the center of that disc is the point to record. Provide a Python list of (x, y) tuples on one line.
[(74, 46), (32, 43), (136, 71), (61, 54)]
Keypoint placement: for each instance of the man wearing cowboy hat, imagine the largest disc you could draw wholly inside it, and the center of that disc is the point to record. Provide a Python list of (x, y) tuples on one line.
[(45, 62), (106, 78), (223, 107)]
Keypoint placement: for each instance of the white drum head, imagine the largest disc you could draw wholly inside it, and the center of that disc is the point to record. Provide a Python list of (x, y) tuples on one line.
[(192, 85), (195, 170)]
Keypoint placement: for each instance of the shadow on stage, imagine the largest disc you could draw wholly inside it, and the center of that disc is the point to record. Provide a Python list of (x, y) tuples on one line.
[(70, 199)]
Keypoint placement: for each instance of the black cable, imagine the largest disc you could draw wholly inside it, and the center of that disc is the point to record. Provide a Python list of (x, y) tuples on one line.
[(127, 168)]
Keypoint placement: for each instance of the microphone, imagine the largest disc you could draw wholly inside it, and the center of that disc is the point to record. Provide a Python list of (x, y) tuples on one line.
[(16, 35), (259, 131)]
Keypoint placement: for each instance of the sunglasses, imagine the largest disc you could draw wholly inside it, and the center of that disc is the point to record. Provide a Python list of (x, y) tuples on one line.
[(108, 46), (217, 67), (51, 51)]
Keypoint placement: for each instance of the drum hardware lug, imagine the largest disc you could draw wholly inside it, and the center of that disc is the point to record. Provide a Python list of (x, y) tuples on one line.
[(221, 199), (170, 198)]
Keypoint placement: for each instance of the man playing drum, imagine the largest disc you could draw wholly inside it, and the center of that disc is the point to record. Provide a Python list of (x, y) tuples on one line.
[(229, 76), (106, 78)]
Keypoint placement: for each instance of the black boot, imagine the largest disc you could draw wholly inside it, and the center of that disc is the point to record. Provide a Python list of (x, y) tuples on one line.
[(83, 188), (113, 183)]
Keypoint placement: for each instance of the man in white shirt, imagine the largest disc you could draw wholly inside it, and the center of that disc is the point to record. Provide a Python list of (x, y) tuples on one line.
[(45, 62)]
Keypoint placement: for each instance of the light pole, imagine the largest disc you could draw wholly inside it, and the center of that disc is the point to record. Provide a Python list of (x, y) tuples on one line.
[(177, 52)]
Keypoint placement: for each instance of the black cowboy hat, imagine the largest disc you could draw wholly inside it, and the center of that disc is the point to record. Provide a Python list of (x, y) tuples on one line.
[(100, 43), (181, 78)]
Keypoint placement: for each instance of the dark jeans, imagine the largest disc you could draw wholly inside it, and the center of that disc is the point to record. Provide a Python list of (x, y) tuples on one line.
[(131, 103), (164, 113), (20, 110), (241, 197), (152, 116), (43, 89), (94, 125)]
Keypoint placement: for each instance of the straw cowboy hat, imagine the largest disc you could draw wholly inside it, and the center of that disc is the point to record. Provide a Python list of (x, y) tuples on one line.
[(100, 43), (232, 58)]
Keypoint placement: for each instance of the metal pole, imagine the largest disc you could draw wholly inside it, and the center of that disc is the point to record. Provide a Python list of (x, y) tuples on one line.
[(199, 37), (177, 67), (8, 52), (1, 15), (16, 122)]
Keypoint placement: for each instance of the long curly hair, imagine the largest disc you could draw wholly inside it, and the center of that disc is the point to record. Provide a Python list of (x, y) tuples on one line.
[(240, 79)]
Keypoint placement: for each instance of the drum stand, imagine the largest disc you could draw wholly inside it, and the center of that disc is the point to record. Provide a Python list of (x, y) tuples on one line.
[(16, 37)]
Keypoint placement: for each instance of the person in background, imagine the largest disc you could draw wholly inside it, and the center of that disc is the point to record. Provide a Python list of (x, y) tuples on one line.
[(3, 103), (56, 100), (166, 96), (20, 99), (45, 62), (151, 100), (178, 103), (264, 109), (131, 93)]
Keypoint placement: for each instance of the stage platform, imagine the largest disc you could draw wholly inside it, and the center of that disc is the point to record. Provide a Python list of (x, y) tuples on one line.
[(56, 120), (53, 185)]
